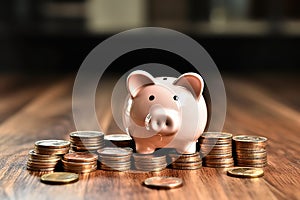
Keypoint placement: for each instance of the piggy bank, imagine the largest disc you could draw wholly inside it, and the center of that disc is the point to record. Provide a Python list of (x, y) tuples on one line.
[(165, 112)]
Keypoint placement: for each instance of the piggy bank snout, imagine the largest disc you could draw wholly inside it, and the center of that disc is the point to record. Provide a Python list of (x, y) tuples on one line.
[(164, 121)]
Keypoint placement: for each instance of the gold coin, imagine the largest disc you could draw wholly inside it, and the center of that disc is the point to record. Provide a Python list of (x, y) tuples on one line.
[(245, 172), (163, 182), (60, 177)]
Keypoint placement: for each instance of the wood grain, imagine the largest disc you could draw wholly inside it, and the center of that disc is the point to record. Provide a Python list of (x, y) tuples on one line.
[(43, 111)]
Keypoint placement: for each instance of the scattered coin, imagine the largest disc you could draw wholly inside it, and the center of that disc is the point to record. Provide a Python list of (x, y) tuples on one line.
[(163, 182), (245, 172), (216, 149), (60, 178), (250, 151)]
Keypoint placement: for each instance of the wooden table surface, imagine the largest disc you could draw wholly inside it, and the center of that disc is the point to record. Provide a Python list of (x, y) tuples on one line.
[(34, 108)]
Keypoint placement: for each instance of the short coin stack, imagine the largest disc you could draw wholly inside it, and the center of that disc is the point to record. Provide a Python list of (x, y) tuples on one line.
[(149, 162), (40, 162), (216, 148), (186, 161), (119, 140), (86, 140), (115, 158), (250, 151), (80, 162), (46, 155)]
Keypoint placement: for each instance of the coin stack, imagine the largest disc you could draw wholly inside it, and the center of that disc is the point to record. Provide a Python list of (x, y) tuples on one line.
[(46, 154), (150, 162), (86, 140), (186, 161), (80, 162), (115, 158), (119, 140), (250, 151), (40, 162), (216, 148)]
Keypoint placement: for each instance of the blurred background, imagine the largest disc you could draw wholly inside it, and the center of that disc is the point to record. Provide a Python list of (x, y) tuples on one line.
[(242, 36)]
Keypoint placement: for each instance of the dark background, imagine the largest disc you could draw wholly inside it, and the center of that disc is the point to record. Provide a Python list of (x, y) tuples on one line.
[(242, 36)]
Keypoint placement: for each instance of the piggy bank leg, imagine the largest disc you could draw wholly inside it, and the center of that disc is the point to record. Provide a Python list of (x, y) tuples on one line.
[(191, 148)]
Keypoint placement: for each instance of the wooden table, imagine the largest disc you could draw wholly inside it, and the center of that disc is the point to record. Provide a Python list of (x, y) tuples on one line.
[(34, 108)]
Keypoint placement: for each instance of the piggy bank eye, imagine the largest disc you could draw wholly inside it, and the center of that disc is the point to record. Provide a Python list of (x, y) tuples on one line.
[(151, 98), (175, 98)]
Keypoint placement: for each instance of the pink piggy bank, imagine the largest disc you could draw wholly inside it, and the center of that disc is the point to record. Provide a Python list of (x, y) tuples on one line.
[(165, 112)]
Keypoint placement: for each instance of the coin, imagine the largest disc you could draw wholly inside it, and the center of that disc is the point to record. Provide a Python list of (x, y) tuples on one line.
[(80, 162), (216, 135), (52, 144), (186, 167), (86, 134), (246, 172), (216, 148), (149, 162), (163, 182), (249, 138), (118, 137), (115, 158), (60, 177), (40, 162), (86, 141), (119, 140), (250, 150), (111, 151), (51, 151)]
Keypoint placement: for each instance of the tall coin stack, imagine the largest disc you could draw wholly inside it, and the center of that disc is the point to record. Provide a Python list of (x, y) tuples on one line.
[(149, 162), (115, 158), (216, 148), (186, 161), (80, 162), (250, 151), (86, 140), (46, 155)]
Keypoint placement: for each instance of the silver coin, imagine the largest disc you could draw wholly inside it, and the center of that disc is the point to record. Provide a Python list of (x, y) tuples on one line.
[(52, 143)]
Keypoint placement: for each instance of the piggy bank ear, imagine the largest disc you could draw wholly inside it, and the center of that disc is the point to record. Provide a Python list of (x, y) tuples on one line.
[(138, 79), (191, 81)]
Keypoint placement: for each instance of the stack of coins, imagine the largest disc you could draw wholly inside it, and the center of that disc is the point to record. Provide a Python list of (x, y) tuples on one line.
[(46, 155), (150, 162), (119, 140), (86, 140), (80, 162), (39, 162), (216, 148), (186, 161), (250, 151), (52, 147), (115, 158)]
